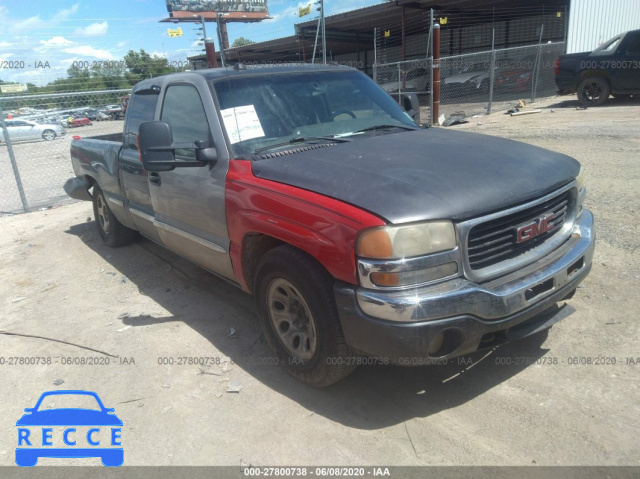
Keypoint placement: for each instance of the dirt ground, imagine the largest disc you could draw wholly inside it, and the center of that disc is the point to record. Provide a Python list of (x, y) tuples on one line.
[(122, 316)]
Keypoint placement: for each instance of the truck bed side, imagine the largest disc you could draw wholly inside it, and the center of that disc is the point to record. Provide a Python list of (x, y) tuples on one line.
[(96, 161)]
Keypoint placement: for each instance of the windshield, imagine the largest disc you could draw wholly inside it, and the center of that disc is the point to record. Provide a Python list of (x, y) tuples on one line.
[(273, 111)]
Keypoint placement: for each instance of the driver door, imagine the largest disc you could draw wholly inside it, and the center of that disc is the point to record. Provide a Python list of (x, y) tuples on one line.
[(189, 203)]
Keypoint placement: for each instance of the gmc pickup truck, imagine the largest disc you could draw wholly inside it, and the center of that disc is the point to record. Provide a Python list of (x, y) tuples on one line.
[(361, 234), (611, 69)]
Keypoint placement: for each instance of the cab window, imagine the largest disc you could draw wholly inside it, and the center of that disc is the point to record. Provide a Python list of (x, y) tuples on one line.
[(633, 48), (141, 108), (184, 112)]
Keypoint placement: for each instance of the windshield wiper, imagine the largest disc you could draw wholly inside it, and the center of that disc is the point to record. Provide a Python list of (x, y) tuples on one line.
[(302, 139), (384, 127)]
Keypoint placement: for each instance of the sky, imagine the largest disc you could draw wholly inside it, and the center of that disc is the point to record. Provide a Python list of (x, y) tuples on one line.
[(41, 39)]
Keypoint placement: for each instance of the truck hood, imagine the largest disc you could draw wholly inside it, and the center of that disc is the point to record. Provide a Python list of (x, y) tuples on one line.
[(425, 174)]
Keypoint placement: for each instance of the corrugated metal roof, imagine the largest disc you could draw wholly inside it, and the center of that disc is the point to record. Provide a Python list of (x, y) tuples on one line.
[(592, 22)]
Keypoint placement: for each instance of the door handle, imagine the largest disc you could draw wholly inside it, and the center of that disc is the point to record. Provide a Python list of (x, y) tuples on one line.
[(154, 179)]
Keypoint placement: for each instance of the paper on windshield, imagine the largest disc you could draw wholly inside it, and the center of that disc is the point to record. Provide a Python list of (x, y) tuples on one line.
[(242, 123)]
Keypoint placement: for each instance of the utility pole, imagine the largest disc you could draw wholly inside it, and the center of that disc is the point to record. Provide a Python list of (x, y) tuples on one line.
[(220, 41), (209, 46), (324, 34), (321, 29)]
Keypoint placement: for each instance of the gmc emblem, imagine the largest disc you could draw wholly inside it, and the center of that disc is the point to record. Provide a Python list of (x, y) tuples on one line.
[(538, 226)]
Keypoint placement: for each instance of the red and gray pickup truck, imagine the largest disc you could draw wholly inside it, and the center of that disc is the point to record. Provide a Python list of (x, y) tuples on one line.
[(360, 233)]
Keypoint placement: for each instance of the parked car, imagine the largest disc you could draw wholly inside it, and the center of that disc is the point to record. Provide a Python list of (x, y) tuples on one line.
[(515, 74), (75, 120), (611, 69), (95, 115), (415, 80), (472, 77), (21, 130), (117, 112), (357, 231)]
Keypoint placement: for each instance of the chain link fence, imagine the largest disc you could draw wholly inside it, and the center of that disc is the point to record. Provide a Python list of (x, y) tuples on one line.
[(490, 58), (465, 82), (476, 83), (34, 159)]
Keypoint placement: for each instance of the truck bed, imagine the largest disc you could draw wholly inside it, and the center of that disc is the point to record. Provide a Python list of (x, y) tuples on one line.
[(97, 157)]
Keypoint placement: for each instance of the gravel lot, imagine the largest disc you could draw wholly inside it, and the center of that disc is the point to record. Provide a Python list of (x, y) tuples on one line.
[(567, 398)]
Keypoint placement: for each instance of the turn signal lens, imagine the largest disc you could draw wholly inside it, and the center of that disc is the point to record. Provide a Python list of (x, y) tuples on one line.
[(418, 276), (374, 243), (385, 279)]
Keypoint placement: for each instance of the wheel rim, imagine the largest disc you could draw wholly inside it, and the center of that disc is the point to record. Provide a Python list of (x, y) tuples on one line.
[(291, 319), (592, 91), (103, 213), (48, 135)]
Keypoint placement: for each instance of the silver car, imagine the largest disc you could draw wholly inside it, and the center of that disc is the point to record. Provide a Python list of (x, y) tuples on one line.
[(21, 130)]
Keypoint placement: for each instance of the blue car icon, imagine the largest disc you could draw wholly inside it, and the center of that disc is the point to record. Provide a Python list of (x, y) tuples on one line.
[(99, 418)]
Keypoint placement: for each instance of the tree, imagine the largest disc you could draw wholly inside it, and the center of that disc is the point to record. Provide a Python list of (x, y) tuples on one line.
[(241, 42), (141, 66)]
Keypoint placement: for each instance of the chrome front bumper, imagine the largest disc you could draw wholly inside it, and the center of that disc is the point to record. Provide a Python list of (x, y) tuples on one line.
[(492, 300), (459, 317)]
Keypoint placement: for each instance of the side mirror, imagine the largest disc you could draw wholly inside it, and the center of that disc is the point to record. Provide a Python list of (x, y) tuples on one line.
[(157, 149), (155, 140), (411, 105)]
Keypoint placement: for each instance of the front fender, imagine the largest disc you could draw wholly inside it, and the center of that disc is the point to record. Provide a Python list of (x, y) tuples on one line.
[(323, 227)]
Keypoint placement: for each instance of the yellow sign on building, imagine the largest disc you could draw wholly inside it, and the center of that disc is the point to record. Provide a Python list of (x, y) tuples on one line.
[(175, 33)]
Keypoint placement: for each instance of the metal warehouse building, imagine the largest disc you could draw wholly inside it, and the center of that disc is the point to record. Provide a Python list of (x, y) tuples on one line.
[(592, 22), (400, 28)]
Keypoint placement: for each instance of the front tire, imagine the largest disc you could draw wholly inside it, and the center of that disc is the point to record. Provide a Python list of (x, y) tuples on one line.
[(112, 232), (593, 91), (299, 317), (48, 135)]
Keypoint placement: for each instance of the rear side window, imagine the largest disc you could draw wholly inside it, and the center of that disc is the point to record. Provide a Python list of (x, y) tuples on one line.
[(184, 112), (633, 48), (141, 108)]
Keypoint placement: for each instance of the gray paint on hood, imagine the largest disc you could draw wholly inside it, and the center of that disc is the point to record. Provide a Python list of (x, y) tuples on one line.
[(425, 174)]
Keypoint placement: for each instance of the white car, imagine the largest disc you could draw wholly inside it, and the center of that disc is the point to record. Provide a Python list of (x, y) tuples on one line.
[(21, 130), (416, 80), (472, 76)]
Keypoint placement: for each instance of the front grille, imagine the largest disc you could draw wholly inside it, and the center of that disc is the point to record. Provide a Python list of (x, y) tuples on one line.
[(495, 241)]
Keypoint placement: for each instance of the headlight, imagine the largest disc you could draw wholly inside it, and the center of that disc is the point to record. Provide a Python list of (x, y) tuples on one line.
[(389, 242)]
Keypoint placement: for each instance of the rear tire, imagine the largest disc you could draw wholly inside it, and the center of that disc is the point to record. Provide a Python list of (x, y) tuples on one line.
[(299, 317), (112, 232), (593, 91)]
